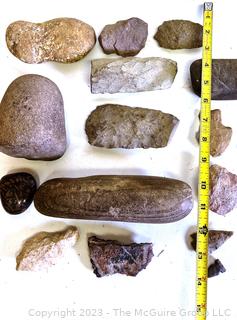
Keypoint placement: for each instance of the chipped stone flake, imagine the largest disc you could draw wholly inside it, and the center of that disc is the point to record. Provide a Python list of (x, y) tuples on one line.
[(127, 75), (43, 250)]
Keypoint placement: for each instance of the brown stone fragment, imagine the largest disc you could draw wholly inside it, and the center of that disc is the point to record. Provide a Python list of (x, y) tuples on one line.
[(220, 135), (126, 37), (109, 257), (117, 126), (44, 249), (216, 239), (179, 34), (223, 190), (63, 40), (215, 269)]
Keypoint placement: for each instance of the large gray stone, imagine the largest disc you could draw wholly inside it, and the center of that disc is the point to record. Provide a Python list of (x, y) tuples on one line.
[(132, 74), (116, 126)]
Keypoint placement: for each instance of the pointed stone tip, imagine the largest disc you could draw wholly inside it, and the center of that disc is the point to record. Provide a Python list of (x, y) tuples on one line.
[(216, 239), (215, 269)]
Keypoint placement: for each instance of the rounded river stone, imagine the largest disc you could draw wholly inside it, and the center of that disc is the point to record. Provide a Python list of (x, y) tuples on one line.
[(63, 40), (17, 191), (32, 119), (126, 37)]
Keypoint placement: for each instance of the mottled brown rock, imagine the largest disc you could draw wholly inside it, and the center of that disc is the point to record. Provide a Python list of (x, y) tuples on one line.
[(109, 257), (224, 78), (117, 126), (115, 198), (126, 37), (223, 190), (215, 269), (44, 249), (179, 34), (127, 75), (32, 119), (63, 40), (216, 238), (220, 135), (17, 191)]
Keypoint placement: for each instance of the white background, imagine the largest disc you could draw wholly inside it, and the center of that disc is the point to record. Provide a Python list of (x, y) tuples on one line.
[(168, 283)]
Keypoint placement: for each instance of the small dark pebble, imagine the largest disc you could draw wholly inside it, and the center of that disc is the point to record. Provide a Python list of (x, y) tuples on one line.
[(215, 269), (17, 191)]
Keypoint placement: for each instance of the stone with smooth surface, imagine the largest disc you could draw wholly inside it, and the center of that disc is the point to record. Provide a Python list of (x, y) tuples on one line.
[(179, 34), (44, 249), (223, 190), (109, 257), (128, 75), (32, 119), (144, 199), (125, 37), (63, 40), (117, 126), (224, 78), (17, 191)]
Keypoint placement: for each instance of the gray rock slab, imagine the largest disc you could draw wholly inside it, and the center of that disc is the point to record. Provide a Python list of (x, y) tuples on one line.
[(117, 126), (130, 75)]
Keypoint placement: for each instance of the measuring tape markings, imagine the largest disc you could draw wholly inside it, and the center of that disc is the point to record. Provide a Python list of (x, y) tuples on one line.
[(204, 164)]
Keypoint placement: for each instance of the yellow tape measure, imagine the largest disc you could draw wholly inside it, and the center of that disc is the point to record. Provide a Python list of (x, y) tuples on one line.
[(204, 164)]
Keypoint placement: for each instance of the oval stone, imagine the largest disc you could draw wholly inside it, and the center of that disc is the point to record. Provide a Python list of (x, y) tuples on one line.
[(17, 191), (63, 40), (179, 34)]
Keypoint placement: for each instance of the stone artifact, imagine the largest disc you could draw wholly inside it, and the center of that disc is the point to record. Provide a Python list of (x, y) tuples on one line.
[(220, 135), (179, 34), (132, 74), (32, 119), (223, 190), (115, 198), (126, 37), (216, 238), (44, 249), (224, 78), (117, 126), (61, 40), (109, 257), (215, 269), (17, 191)]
